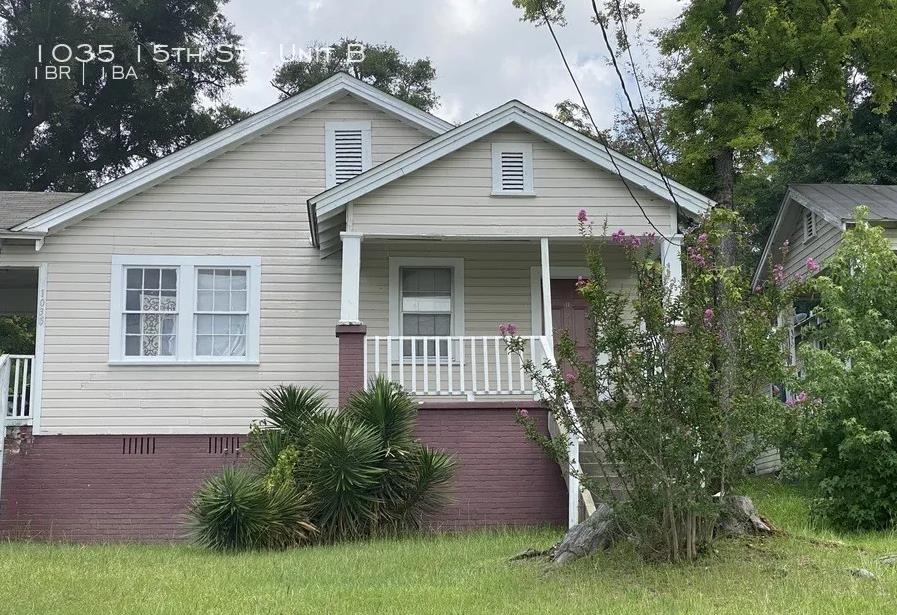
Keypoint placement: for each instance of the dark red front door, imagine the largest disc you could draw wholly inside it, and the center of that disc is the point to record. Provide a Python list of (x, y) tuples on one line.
[(569, 312)]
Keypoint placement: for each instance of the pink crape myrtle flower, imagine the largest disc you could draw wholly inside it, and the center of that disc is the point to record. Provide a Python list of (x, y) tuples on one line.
[(708, 317), (702, 238), (508, 329), (523, 413), (582, 216), (812, 265), (581, 281), (778, 273), (618, 236), (569, 378)]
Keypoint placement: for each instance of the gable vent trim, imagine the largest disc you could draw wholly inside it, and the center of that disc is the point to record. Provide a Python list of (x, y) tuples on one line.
[(512, 169), (347, 151)]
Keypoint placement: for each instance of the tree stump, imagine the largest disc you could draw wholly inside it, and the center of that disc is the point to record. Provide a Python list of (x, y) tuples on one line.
[(740, 518), (597, 533)]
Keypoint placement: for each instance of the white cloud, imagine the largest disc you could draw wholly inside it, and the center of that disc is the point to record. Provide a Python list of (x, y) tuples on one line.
[(483, 54)]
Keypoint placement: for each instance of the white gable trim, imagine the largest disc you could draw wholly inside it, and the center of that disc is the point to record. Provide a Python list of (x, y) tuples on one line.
[(137, 181), (331, 202)]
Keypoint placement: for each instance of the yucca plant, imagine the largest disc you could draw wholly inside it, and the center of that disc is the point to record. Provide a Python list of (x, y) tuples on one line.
[(415, 479), (342, 468), (230, 512), (294, 411), (233, 511)]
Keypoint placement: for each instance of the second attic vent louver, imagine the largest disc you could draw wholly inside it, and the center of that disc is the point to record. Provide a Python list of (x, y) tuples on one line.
[(348, 154), (512, 172)]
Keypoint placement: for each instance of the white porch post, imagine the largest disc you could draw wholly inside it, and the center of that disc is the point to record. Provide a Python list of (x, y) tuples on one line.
[(548, 326), (670, 255), (351, 278)]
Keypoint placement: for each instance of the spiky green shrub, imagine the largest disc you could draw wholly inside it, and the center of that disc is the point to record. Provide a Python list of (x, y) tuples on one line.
[(415, 479), (294, 411), (342, 469), (349, 474), (233, 511)]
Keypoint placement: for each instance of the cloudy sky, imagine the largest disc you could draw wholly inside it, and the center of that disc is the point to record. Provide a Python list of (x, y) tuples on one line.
[(483, 54)]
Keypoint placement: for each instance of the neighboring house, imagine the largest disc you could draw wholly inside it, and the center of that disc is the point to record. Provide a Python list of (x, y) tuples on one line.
[(812, 219), (337, 235)]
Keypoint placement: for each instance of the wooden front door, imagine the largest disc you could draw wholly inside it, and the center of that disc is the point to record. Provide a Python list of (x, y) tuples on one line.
[(569, 312)]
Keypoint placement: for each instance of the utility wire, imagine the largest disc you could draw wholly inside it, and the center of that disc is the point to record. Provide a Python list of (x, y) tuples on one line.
[(652, 143), (601, 138)]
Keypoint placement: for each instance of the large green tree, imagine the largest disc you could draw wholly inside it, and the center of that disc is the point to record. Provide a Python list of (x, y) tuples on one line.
[(383, 66), (74, 133)]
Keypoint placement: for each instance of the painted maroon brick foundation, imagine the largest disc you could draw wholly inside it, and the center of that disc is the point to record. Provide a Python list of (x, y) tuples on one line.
[(503, 478), (89, 488), (351, 360), (98, 488)]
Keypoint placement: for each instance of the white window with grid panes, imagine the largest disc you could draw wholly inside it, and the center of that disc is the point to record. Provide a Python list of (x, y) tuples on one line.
[(151, 312), (184, 309), (222, 312), (426, 301)]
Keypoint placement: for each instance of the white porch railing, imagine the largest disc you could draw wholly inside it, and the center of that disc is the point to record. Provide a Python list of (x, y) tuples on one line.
[(467, 365), (16, 391)]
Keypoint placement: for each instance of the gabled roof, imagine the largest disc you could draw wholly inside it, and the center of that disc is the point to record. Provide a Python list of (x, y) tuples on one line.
[(197, 153), (18, 206), (839, 201), (332, 202), (834, 203)]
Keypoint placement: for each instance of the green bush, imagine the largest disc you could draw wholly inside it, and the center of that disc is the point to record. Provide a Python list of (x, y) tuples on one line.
[(349, 474), (233, 511), (845, 406)]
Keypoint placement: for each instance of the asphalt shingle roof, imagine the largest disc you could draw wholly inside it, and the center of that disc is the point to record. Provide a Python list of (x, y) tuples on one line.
[(17, 207)]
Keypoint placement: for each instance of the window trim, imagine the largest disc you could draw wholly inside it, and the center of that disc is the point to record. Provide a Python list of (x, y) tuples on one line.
[(395, 288), (527, 150), (330, 128), (187, 297)]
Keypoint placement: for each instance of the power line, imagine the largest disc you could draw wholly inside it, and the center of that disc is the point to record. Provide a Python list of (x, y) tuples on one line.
[(598, 133), (653, 144)]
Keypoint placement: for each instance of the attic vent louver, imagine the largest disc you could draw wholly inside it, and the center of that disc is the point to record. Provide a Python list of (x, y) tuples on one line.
[(512, 169), (348, 151), (512, 175)]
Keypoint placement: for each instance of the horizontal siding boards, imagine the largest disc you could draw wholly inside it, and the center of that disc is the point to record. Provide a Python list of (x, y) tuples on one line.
[(246, 202), (820, 247), (497, 278), (451, 196)]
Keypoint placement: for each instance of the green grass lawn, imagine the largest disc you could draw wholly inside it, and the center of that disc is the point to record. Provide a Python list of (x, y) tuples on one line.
[(805, 572)]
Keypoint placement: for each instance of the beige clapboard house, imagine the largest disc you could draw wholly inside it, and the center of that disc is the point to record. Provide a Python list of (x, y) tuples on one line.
[(335, 236)]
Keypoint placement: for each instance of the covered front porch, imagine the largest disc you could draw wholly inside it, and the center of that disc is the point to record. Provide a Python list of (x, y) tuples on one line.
[(426, 313)]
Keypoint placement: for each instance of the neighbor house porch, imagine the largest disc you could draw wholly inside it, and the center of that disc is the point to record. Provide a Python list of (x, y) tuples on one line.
[(20, 313)]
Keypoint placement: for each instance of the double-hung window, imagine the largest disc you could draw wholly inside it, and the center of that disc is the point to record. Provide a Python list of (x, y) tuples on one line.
[(184, 309), (426, 305)]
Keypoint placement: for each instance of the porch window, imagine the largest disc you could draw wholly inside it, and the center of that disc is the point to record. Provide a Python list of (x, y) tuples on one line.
[(426, 309), (182, 309), (151, 312)]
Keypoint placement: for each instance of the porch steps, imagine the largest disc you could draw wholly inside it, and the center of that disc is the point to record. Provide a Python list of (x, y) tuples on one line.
[(593, 465)]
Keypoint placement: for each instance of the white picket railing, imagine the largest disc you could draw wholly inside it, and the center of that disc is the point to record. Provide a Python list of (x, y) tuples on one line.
[(16, 391), (467, 365)]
